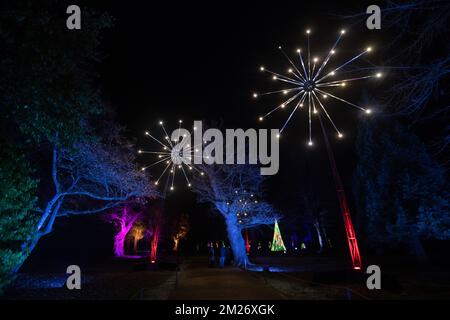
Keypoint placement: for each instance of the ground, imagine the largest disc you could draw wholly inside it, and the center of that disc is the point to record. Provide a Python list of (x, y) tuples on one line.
[(308, 278)]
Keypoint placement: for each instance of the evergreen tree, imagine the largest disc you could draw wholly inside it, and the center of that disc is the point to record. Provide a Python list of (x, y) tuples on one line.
[(17, 202), (277, 242)]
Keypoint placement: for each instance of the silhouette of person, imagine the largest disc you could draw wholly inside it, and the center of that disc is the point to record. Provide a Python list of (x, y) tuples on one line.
[(212, 256), (223, 254)]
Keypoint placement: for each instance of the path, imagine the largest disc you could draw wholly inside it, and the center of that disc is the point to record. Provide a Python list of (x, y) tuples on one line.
[(197, 281)]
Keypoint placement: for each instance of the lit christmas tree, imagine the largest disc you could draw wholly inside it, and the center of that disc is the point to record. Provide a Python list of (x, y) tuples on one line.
[(277, 243)]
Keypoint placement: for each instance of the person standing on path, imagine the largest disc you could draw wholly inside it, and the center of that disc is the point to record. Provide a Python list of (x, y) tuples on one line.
[(223, 254), (212, 257)]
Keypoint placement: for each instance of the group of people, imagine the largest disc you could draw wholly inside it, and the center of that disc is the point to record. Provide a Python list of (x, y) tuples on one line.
[(221, 252)]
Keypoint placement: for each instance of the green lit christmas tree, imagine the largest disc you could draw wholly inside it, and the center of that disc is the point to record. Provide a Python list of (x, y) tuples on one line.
[(277, 243)]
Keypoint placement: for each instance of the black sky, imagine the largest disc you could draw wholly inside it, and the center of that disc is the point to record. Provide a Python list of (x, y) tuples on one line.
[(170, 61), (200, 62)]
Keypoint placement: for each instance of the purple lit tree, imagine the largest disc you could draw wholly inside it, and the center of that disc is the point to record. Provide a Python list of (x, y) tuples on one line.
[(123, 219), (235, 192)]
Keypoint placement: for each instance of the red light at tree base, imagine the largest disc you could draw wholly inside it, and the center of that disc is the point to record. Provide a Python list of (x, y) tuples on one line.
[(154, 245), (247, 243)]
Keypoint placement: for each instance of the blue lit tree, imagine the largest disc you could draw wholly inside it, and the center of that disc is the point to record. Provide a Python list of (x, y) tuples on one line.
[(417, 63), (46, 94), (90, 177), (236, 192), (400, 190), (400, 187)]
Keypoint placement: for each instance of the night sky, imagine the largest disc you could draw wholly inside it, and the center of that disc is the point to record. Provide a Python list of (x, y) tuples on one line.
[(201, 62)]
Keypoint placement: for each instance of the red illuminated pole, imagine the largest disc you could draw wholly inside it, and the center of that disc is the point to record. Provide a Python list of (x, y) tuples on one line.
[(349, 230)]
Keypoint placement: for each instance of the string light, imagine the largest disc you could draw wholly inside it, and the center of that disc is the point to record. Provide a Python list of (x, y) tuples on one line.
[(309, 84), (175, 157)]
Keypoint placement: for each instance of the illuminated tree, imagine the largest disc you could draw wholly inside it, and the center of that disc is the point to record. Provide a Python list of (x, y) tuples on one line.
[(400, 190), (417, 63), (235, 191), (247, 243), (277, 242), (181, 231), (155, 225), (91, 177), (46, 91), (154, 244), (123, 219), (17, 205), (138, 233)]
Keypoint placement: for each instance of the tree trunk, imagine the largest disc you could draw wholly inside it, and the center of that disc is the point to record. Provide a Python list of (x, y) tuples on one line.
[(175, 243), (324, 232), (135, 244), (319, 236), (418, 250), (236, 240), (29, 245), (154, 244), (119, 244)]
